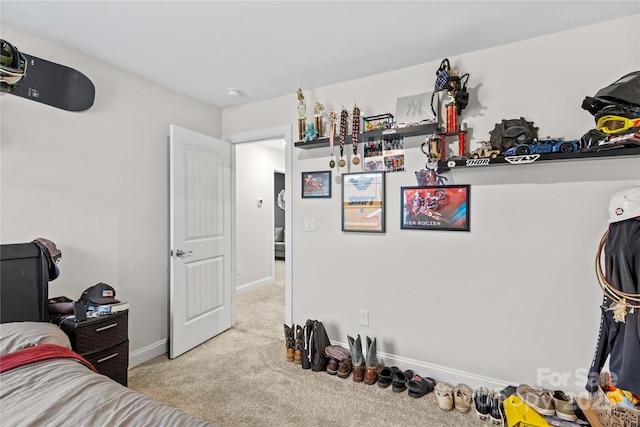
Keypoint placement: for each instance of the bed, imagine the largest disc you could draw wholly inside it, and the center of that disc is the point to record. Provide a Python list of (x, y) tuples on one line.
[(44, 383), (62, 390)]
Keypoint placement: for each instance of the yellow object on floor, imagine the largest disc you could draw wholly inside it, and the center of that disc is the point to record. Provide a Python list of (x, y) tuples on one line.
[(519, 414)]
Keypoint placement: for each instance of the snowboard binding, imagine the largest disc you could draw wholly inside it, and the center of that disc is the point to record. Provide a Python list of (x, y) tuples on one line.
[(13, 66)]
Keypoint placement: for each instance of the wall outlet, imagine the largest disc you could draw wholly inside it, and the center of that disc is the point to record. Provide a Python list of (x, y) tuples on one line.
[(363, 316), (238, 270)]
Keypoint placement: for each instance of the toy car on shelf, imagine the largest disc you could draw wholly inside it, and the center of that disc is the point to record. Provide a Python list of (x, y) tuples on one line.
[(485, 150), (544, 146)]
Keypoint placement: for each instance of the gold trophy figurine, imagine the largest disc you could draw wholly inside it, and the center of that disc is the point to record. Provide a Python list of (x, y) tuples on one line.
[(302, 113), (317, 116)]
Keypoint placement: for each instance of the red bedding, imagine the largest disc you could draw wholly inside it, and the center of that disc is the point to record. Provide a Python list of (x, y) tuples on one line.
[(38, 353)]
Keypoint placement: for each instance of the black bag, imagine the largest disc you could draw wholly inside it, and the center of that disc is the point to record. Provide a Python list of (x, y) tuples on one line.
[(315, 341)]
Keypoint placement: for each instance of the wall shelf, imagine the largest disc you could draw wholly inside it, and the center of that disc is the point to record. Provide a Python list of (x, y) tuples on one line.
[(577, 155), (417, 130), (466, 162)]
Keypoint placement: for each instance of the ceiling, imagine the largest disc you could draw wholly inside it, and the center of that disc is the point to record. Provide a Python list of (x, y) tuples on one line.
[(267, 49)]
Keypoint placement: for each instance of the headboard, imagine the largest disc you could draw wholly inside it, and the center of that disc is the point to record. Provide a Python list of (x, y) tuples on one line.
[(24, 283)]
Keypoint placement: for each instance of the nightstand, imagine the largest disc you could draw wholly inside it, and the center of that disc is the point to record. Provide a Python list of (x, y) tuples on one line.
[(104, 342)]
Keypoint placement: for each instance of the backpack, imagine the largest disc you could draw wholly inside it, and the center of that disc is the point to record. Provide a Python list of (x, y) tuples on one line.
[(315, 341)]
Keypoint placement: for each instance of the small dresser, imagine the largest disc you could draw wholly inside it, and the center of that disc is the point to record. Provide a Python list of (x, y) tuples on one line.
[(104, 342)]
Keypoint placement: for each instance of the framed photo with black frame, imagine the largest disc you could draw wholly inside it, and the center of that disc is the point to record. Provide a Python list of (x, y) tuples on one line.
[(442, 207), (316, 185), (363, 200)]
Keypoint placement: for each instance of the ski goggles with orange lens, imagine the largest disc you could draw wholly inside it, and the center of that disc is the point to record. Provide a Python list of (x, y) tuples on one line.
[(616, 124)]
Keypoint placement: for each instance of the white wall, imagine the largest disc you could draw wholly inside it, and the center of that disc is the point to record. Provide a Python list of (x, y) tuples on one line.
[(96, 183), (254, 167), (517, 296)]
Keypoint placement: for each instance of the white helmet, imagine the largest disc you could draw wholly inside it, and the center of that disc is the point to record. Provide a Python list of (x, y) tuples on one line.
[(624, 204)]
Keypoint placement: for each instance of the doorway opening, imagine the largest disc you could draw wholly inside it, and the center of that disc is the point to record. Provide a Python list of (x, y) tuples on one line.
[(256, 158)]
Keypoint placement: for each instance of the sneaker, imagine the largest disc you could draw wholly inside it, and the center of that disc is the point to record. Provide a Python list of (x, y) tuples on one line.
[(444, 396), (462, 397), (481, 402), (496, 408), (565, 406), (538, 399)]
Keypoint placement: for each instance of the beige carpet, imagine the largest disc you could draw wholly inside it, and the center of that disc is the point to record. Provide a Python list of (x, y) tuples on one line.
[(242, 378)]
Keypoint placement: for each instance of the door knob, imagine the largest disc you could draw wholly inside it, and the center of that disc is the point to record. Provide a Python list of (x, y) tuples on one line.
[(180, 252)]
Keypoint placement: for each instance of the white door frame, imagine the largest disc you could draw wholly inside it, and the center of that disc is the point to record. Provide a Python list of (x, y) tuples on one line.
[(282, 132)]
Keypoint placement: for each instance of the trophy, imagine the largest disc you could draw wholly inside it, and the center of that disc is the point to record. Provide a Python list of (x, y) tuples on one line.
[(302, 115), (317, 117)]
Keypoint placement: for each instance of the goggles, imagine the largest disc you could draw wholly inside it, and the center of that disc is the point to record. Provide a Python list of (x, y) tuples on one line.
[(616, 124)]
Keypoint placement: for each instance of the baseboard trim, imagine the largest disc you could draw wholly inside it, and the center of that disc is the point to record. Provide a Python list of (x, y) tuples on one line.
[(254, 285), (147, 353), (440, 373)]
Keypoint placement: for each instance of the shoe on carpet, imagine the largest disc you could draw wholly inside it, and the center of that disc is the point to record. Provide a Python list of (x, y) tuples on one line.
[(496, 408), (298, 345), (386, 376), (444, 396), (481, 402), (332, 366), (538, 399), (462, 398), (419, 386), (565, 406), (289, 340), (344, 368), (400, 380), (336, 355)]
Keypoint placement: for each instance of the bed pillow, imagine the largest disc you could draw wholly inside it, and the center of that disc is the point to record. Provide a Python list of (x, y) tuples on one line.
[(16, 336)]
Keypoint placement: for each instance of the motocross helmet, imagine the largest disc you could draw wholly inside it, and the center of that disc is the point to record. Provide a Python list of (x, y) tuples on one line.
[(624, 204), (591, 139), (624, 91), (13, 66)]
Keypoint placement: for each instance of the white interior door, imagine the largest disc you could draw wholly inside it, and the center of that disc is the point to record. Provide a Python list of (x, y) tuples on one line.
[(201, 297)]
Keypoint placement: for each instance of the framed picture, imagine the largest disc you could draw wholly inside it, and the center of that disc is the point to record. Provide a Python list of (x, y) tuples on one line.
[(316, 185), (414, 108), (363, 202), (442, 207)]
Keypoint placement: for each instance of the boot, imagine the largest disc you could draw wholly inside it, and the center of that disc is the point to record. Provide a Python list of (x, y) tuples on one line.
[(289, 341), (299, 343), (371, 362), (339, 361), (355, 345)]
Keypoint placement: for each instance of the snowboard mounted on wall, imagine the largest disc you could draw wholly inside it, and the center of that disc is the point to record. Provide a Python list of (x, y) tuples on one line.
[(47, 82)]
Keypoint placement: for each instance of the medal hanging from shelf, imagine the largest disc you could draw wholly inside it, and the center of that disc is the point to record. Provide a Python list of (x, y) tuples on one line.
[(344, 118), (331, 124), (355, 131)]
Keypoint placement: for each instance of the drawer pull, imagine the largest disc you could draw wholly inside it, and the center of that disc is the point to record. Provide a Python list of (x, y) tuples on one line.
[(107, 358), (113, 325)]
